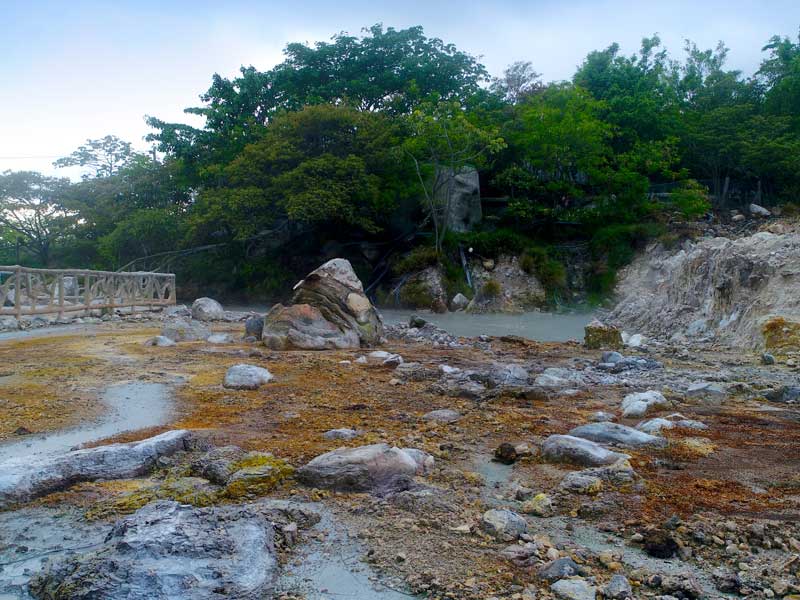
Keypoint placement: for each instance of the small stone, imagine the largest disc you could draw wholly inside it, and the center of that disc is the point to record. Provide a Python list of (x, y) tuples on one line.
[(574, 589), (341, 434), (504, 525), (618, 588), (444, 415), (559, 569), (506, 454), (540, 505), (767, 359), (246, 377)]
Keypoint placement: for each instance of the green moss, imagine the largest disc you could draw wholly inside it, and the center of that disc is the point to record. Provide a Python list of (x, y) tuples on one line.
[(491, 289), (602, 336), (417, 260), (416, 295), (781, 335), (186, 490), (257, 475)]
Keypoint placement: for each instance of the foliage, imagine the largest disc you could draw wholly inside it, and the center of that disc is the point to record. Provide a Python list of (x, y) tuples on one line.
[(32, 211), (144, 232), (104, 157), (416, 260), (550, 272), (443, 143), (691, 199), (490, 289)]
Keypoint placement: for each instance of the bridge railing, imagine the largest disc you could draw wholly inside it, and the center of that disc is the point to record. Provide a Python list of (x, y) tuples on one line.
[(26, 291)]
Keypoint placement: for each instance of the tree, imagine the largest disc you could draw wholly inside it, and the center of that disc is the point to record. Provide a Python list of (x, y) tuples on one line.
[(443, 143), (31, 209), (105, 157), (518, 81), (324, 166), (386, 70)]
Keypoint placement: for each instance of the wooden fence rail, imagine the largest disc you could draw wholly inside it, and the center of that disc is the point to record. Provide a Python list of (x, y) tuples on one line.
[(25, 291)]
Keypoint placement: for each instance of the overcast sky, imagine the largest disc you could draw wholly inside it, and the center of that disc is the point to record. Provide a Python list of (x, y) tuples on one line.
[(77, 69)]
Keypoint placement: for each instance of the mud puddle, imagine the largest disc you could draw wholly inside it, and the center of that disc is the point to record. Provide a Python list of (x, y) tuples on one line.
[(130, 406), (331, 568)]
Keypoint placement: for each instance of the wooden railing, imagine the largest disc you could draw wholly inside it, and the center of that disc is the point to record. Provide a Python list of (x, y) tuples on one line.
[(25, 291)]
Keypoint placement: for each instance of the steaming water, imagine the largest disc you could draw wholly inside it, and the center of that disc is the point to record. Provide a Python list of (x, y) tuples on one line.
[(539, 326)]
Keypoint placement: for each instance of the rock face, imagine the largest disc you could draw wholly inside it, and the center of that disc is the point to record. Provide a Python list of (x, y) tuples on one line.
[(518, 290), (254, 326), (207, 309), (571, 449), (169, 550), (716, 288), (425, 290), (360, 469), (24, 479), (181, 330), (246, 377), (330, 310)]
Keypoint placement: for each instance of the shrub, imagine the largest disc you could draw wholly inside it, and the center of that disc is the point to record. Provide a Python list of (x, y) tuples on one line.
[(416, 295), (494, 243), (491, 289), (551, 273), (416, 260), (691, 199)]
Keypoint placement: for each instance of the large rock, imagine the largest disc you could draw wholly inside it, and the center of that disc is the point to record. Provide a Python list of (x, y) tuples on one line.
[(246, 377), (360, 469), (576, 450), (329, 311), (207, 309), (303, 326), (518, 290), (617, 434), (171, 551), (461, 193), (182, 330), (574, 589), (335, 290), (22, 479)]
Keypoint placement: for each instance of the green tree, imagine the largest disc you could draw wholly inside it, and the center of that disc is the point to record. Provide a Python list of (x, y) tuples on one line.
[(443, 143), (32, 211), (104, 157), (323, 166)]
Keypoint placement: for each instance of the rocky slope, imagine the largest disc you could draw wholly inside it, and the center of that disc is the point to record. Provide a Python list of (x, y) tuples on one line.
[(715, 289)]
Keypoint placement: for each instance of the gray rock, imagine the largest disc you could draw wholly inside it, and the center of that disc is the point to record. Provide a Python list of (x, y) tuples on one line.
[(557, 377), (383, 358), (642, 403), (360, 469), (22, 479), (341, 434), (574, 589), (759, 211), (578, 482), (8, 323), (507, 375), (602, 416), (218, 464), (185, 331), (767, 359), (788, 394), (246, 377), (160, 341), (618, 588), (462, 191), (706, 389), (504, 525), (207, 309), (444, 415), (459, 302), (179, 310), (559, 569), (424, 461), (654, 426), (617, 434), (612, 357), (254, 326), (576, 450), (168, 550), (220, 338)]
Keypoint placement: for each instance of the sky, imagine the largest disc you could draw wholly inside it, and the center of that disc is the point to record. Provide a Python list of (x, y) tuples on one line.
[(77, 69)]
